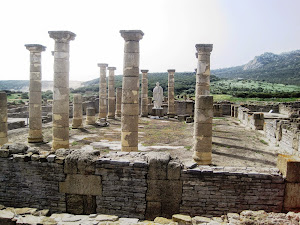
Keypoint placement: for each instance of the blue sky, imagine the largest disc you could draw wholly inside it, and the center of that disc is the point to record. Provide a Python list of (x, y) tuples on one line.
[(238, 29)]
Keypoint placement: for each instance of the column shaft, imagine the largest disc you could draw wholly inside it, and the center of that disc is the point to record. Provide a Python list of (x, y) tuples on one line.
[(144, 94), (60, 110), (77, 111), (118, 101), (171, 91), (130, 90), (111, 93), (102, 92), (203, 108), (35, 94), (3, 118)]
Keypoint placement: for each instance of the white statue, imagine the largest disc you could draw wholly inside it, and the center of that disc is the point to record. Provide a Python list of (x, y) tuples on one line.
[(158, 95)]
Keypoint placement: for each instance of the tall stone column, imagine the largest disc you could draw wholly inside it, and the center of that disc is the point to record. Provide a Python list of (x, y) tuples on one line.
[(60, 108), (77, 111), (102, 92), (111, 93), (130, 90), (3, 118), (203, 107), (35, 93), (118, 101), (171, 98), (144, 94)]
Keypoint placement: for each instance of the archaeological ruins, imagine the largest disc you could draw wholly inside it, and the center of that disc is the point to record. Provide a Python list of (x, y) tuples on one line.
[(88, 155)]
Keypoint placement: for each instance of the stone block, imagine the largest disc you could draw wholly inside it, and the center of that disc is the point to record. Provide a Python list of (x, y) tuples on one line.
[(182, 219), (153, 210), (174, 170), (292, 197), (158, 163), (81, 185), (289, 166)]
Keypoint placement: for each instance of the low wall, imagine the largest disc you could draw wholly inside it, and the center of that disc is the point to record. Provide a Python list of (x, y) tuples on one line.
[(140, 185)]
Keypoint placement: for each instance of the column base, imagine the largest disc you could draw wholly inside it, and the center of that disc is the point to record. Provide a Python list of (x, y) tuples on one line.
[(90, 120), (171, 115), (129, 149), (3, 140), (76, 123), (118, 114), (202, 158), (60, 144), (35, 140), (110, 117)]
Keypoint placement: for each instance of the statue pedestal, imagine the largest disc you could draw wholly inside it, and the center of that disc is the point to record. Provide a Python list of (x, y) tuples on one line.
[(157, 112)]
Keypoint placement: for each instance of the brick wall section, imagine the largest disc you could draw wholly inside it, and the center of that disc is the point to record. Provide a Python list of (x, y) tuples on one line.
[(211, 191), (33, 184)]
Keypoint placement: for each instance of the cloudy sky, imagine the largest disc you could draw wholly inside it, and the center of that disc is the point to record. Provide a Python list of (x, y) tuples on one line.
[(239, 30)]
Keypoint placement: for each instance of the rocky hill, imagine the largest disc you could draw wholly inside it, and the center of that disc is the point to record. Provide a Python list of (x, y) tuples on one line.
[(282, 68)]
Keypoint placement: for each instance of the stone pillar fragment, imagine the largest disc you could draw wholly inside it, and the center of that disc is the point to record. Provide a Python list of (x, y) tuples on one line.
[(90, 116), (102, 92), (118, 101), (111, 93), (3, 118), (35, 93), (144, 94), (60, 109), (203, 107), (130, 90), (171, 93), (77, 111)]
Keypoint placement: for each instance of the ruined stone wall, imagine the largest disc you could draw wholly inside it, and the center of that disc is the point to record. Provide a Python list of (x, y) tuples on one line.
[(262, 108), (184, 107), (141, 185), (289, 108)]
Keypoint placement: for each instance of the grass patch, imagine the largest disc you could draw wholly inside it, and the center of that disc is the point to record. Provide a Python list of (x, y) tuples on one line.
[(74, 143), (263, 142), (188, 148)]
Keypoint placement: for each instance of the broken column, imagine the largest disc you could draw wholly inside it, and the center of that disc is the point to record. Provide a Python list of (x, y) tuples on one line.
[(60, 108), (102, 92), (118, 101), (35, 93), (130, 90), (3, 118), (90, 116), (171, 104), (77, 111), (144, 94), (203, 107), (111, 93)]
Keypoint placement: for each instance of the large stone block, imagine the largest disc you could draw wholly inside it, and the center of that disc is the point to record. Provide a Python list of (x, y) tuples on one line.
[(292, 197), (153, 210), (289, 166), (158, 163), (81, 185)]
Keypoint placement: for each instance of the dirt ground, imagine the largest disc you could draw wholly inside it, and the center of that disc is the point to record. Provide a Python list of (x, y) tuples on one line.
[(233, 144)]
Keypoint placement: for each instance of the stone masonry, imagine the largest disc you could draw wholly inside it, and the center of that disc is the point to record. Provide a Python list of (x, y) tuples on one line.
[(171, 83), (61, 88), (77, 111), (102, 92), (144, 94), (111, 93), (35, 93), (203, 107), (130, 90), (3, 118), (118, 101)]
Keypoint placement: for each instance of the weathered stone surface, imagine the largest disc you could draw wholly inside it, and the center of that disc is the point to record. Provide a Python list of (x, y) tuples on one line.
[(200, 220), (289, 166), (182, 219), (103, 217), (158, 163), (292, 197)]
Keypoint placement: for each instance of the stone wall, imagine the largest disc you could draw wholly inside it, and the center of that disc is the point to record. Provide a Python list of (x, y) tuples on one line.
[(254, 120), (141, 185), (289, 108)]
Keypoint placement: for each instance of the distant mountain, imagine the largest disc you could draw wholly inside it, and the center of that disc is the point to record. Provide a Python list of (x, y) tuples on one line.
[(23, 85), (283, 68)]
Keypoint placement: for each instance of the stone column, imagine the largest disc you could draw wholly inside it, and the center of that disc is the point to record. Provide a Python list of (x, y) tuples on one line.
[(3, 118), (60, 109), (35, 93), (90, 116), (171, 87), (203, 107), (77, 111), (111, 93), (102, 92), (130, 90), (118, 101), (144, 94)]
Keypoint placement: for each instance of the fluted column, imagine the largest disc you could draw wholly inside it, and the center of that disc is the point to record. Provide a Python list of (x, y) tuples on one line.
[(35, 93), (102, 92), (60, 110), (77, 111), (3, 118), (203, 107), (144, 94), (111, 93), (118, 101), (171, 88), (130, 90)]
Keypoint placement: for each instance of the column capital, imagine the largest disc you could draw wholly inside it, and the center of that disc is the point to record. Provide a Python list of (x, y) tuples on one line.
[(144, 71), (171, 71), (204, 47), (111, 68), (62, 36), (35, 47), (102, 65), (132, 35)]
